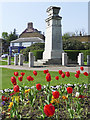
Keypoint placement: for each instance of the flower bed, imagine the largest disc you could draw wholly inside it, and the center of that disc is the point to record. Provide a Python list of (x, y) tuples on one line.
[(45, 102)]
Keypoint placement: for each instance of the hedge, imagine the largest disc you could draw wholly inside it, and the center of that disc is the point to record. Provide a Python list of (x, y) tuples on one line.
[(72, 54), (38, 54)]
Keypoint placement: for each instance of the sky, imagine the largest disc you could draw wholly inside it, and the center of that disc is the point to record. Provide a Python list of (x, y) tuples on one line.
[(18, 14)]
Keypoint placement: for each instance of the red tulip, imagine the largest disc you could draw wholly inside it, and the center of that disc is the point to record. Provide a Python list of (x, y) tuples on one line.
[(60, 72), (15, 83), (16, 73), (29, 78), (22, 73), (69, 90), (16, 88), (9, 109), (85, 73), (78, 72), (77, 75), (13, 79), (35, 73), (4, 98), (20, 78), (56, 77), (38, 86), (67, 74), (81, 96), (55, 94), (63, 75), (48, 77), (12, 93), (45, 71), (49, 110), (82, 68)]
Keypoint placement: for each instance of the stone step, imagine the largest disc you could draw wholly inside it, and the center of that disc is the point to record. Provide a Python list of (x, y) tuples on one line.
[(42, 61)]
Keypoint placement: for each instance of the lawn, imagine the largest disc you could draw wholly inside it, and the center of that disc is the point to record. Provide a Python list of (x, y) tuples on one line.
[(40, 78), (5, 63)]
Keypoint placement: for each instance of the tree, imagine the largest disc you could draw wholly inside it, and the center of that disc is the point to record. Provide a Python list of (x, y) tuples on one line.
[(72, 45), (8, 38), (5, 35), (66, 36)]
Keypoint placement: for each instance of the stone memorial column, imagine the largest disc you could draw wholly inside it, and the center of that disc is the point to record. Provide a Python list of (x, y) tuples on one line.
[(53, 40), (31, 59), (9, 60), (81, 59), (16, 60), (64, 59), (20, 59), (88, 59)]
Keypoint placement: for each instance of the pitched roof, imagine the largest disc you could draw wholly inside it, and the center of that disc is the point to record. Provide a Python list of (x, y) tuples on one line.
[(28, 39)]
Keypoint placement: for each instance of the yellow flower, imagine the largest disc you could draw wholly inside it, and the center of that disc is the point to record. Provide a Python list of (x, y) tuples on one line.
[(17, 98), (11, 104), (28, 101), (28, 90), (12, 98), (64, 97), (54, 100)]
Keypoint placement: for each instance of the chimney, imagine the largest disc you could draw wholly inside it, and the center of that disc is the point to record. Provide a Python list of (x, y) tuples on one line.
[(30, 25), (80, 33)]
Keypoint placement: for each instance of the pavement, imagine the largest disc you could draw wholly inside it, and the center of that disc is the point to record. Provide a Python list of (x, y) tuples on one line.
[(49, 67)]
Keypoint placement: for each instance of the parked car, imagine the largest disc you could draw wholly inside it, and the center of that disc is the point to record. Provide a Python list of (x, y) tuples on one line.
[(15, 54), (4, 55)]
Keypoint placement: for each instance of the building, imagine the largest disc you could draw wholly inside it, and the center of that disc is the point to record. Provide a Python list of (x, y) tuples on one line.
[(89, 18), (83, 39), (28, 37), (0, 46)]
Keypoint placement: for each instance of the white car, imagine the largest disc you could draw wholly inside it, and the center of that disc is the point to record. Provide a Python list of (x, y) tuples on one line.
[(4, 55)]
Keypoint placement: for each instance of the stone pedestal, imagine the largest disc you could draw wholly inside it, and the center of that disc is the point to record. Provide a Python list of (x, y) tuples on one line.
[(88, 59), (16, 60), (20, 59), (53, 40), (81, 59), (64, 59), (9, 60), (31, 59)]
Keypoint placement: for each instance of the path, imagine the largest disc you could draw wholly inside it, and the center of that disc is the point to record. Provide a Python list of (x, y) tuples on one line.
[(50, 68)]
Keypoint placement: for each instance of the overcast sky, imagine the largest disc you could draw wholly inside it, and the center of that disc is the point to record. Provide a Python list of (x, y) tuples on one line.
[(18, 14)]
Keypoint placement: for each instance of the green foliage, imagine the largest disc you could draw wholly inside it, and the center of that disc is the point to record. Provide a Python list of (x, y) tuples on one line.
[(86, 45), (11, 36), (72, 54), (36, 48), (5, 35), (66, 36), (38, 54), (25, 52), (72, 45), (85, 52), (8, 38)]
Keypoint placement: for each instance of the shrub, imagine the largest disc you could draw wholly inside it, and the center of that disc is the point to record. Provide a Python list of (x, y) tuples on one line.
[(72, 54), (37, 46), (72, 45), (38, 54)]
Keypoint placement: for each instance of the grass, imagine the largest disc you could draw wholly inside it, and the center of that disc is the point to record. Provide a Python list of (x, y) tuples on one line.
[(40, 78), (5, 63), (12, 58)]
